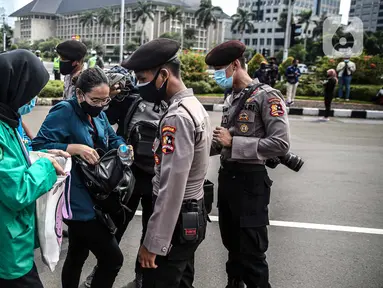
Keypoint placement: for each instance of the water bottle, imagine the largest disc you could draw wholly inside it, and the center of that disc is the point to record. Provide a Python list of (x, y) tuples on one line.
[(126, 154)]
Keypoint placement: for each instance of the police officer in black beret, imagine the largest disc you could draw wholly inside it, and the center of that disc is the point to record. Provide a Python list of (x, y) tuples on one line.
[(254, 128), (181, 152), (72, 54)]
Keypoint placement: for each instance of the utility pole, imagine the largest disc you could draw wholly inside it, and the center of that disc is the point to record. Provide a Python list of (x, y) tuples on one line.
[(4, 35), (287, 33), (122, 29)]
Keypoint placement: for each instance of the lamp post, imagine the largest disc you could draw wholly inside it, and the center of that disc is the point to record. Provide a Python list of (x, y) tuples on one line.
[(287, 34), (4, 35), (122, 29)]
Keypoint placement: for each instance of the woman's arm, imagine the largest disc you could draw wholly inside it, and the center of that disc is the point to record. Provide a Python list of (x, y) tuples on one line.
[(27, 131)]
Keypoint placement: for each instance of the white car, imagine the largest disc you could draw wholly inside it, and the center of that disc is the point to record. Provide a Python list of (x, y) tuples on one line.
[(303, 68)]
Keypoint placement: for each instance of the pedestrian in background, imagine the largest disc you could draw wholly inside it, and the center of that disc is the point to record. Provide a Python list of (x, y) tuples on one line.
[(21, 183), (72, 54), (56, 67), (329, 87), (274, 73), (345, 70), (79, 126), (262, 74), (292, 74), (93, 59), (100, 60)]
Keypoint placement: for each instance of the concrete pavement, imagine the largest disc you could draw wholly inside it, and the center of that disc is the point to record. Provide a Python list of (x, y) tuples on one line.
[(340, 184)]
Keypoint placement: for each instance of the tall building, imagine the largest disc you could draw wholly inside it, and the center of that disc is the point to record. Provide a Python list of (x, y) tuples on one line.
[(267, 33), (42, 19), (370, 12)]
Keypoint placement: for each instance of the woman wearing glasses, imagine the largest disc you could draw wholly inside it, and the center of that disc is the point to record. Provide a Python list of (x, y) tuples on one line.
[(79, 126)]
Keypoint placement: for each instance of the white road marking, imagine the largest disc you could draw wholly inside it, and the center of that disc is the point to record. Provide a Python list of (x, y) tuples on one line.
[(314, 226)]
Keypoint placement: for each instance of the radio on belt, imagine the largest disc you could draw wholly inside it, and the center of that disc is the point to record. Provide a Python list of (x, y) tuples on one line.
[(190, 221)]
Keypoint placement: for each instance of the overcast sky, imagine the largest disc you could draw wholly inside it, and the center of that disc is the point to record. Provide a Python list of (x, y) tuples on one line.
[(228, 6)]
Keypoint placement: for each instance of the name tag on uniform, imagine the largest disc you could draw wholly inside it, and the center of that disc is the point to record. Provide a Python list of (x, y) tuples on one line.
[(156, 144)]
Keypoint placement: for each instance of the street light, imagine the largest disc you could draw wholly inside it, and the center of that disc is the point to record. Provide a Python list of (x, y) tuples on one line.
[(4, 35), (122, 29)]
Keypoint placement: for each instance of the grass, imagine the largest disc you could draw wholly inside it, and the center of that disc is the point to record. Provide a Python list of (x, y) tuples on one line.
[(308, 98)]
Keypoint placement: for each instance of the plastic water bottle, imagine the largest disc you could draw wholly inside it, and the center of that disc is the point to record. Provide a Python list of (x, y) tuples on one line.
[(126, 154)]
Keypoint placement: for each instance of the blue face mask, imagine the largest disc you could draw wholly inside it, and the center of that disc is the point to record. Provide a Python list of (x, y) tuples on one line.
[(222, 81), (27, 108), (346, 60)]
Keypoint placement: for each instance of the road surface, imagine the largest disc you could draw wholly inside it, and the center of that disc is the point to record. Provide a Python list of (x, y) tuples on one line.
[(327, 220)]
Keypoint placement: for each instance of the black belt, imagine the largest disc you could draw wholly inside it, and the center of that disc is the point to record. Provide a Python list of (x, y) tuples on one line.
[(242, 167)]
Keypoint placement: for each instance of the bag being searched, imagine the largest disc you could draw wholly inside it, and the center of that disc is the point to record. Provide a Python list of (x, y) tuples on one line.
[(50, 209)]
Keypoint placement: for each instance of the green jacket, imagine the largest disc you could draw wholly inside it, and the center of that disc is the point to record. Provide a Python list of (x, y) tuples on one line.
[(20, 186), (92, 62)]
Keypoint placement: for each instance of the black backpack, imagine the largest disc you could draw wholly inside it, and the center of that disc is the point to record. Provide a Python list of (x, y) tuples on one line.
[(141, 137)]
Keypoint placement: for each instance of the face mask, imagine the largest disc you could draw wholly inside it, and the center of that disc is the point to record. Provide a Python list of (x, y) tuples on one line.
[(346, 61), (66, 67), (263, 66), (27, 108), (150, 93), (222, 81), (295, 65), (92, 111), (125, 56)]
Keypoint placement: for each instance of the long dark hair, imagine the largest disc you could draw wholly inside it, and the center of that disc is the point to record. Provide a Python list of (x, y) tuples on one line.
[(91, 78)]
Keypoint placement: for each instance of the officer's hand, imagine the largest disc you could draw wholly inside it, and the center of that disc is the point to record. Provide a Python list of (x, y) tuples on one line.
[(222, 136), (146, 258), (114, 90)]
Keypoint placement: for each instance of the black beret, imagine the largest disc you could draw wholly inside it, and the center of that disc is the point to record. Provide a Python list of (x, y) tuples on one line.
[(225, 53), (152, 54), (71, 50)]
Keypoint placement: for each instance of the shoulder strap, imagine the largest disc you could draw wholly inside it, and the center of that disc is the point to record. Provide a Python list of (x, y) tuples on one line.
[(130, 113), (246, 95)]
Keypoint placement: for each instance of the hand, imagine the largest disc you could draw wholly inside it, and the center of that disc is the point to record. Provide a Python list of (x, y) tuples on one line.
[(85, 152), (57, 152), (56, 165), (146, 258), (222, 136), (114, 90)]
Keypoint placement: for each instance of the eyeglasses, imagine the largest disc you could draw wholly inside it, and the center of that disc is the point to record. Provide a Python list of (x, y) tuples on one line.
[(97, 101)]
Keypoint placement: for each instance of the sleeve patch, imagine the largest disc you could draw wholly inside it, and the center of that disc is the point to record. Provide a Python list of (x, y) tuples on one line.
[(274, 100), (168, 144), (170, 129), (157, 159), (276, 110)]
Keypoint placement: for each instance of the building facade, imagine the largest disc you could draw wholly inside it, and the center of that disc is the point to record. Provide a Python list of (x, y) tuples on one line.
[(267, 33), (63, 22), (370, 12)]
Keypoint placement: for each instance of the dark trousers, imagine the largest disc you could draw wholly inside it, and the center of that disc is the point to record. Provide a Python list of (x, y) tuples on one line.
[(142, 192), (176, 270), (29, 280), (57, 75), (243, 197), (91, 236), (327, 103)]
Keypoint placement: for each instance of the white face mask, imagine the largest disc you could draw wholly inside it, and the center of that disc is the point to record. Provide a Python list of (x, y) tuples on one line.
[(125, 56), (142, 84)]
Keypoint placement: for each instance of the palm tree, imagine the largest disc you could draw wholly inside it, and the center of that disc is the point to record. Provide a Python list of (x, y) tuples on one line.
[(305, 19), (142, 12), (207, 15), (105, 18), (174, 13), (318, 30), (117, 24), (242, 21), (89, 19)]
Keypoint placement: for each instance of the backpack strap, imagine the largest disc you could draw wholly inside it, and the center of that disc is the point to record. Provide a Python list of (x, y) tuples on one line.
[(129, 115)]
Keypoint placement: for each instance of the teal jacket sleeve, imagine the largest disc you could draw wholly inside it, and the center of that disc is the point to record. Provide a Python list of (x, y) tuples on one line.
[(20, 186), (54, 132)]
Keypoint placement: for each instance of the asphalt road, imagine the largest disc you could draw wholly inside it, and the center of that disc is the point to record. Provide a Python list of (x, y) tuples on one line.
[(340, 184)]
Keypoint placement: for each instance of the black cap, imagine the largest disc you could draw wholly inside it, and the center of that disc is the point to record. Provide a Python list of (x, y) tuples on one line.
[(71, 50), (225, 53), (152, 54)]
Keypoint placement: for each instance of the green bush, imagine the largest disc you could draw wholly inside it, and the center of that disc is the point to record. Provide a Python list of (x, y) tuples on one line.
[(283, 66), (255, 63), (215, 89), (53, 89), (199, 87), (193, 67)]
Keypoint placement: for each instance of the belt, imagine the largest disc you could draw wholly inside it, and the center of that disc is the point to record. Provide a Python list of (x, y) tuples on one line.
[(242, 167)]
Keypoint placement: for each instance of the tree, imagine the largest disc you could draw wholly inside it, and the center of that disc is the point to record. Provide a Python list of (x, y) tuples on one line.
[(174, 13), (36, 43), (117, 24), (24, 45), (305, 19), (373, 42), (207, 15), (89, 19), (105, 18), (318, 30), (298, 52), (255, 63), (142, 12), (49, 45), (171, 35), (283, 20), (242, 21), (14, 47)]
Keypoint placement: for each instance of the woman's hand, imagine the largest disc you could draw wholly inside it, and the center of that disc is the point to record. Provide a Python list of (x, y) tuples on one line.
[(85, 152), (57, 152), (56, 165)]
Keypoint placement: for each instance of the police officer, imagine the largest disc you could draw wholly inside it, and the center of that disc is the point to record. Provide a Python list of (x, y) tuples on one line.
[(93, 59), (254, 128), (72, 55), (38, 54), (56, 67), (181, 152)]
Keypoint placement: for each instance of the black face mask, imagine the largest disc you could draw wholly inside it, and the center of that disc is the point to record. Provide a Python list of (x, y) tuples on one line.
[(66, 67), (150, 93), (92, 111)]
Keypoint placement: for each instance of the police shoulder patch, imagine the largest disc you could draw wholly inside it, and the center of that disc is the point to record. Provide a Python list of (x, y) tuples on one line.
[(170, 129), (276, 109), (168, 143)]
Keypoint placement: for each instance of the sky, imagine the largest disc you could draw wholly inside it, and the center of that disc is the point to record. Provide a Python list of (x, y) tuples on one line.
[(227, 5)]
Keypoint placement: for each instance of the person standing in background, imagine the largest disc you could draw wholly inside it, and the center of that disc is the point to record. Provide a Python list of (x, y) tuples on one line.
[(92, 60), (262, 74), (38, 54), (72, 54), (56, 67), (345, 70), (329, 87), (292, 74), (273, 71), (99, 60)]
